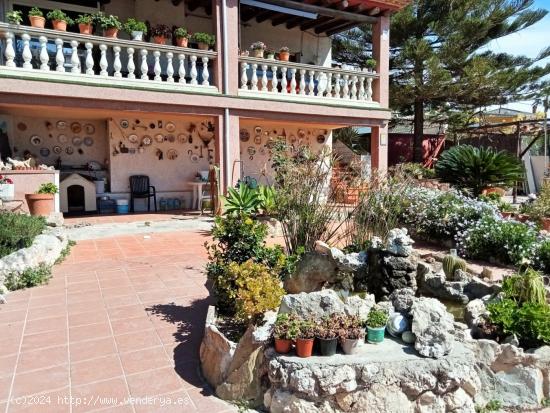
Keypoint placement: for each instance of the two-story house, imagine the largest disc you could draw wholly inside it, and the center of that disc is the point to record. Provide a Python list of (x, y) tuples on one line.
[(123, 107)]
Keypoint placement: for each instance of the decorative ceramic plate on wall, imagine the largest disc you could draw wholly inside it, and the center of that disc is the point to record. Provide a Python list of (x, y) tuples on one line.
[(146, 140), (159, 137), (69, 150), (182, 138), (36, 140), (61, 124), (171, 138), (133, 138), (88, 141), (172, 154), (77, 140), (57, 150), (62, 138), (75, 127), (194, 158), (89, 128), (321, 139), (124, 123), (170, 127), (44, 152), (22, 126), (244, 135)]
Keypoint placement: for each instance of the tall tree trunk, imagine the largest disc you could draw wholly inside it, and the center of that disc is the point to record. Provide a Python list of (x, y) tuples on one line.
[(418, 151)]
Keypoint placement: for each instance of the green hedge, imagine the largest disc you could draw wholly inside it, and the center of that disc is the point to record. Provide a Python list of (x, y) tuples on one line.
[(18, 231)]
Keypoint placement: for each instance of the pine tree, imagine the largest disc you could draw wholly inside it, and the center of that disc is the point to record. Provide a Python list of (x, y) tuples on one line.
[(439, 65)]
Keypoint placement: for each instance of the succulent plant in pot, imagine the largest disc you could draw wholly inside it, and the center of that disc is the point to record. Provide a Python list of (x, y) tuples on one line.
[(59, 20), (305, 337), (204, 40), (42, 202), (36, 17), (258, 49), (182, 36), (285, 331), (376, 325), (14, 16), (351, 333), (110, 24), (85, 23), (327, 336), (160, 33), (135, 28), (270, 54), (370, 64), (284, 54)]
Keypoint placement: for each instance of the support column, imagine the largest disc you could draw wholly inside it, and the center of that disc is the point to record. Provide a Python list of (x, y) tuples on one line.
[(379, 149), (231, 13), (229, 168), (381, 52)]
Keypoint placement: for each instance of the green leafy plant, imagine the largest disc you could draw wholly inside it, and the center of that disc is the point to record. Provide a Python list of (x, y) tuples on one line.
[(28, 278), (540, 208), (491, 406), (65, 252), (133, 25), (525, 287), (452, 263), (266, 195), (107, 22), (349, 327), (306, 328), (417, 170), (182, 33), (327, 328), (18, 231), (57, 14), (243, 200), (36, 12), (475, 169), (377, 318), (370, 64), (85, 19), (285, 327), (161, 30), (205, 38), (542, 256), (496, 199), (14, 16), (47, 188)]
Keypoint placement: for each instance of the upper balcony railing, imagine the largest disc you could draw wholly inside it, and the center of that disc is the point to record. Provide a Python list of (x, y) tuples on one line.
[(52, 54), (275, 79)]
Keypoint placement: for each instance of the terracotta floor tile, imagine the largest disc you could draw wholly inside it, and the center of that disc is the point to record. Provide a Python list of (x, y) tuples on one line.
[(87, 287), (5, 384), (46, 301), (154, 382), (89, 332), (85, 350), (146, 359), (83, 307), (41, 381), (82, 297), (137, 340), (115, 292), (55, 310), (12, 316), (42, 340), (129, 311), (49, 402), (89, 317), (102, 394), (101, 368), (168, 403), (42, 358), (7, 364), (123, 300), (132, 325)]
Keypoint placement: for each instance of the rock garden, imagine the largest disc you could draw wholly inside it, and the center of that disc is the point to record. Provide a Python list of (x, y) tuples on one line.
[(349, 317)]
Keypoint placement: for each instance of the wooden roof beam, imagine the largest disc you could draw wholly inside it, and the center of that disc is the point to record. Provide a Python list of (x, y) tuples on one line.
[(266, 15), (323, 11), (312, 23), (341, 28), (330, 25)]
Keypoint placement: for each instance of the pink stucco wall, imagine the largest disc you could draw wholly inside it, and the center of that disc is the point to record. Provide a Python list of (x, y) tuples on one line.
[(28, 182)]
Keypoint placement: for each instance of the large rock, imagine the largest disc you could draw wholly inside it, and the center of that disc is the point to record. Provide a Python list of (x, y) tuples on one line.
[(403, 300), (399, 242), (312, 272), (433, 328), (475, 312), (388, 272), (348, 262)]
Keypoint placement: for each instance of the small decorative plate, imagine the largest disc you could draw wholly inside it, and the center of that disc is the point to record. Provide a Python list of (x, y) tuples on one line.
[(36, 140), (69, 150), (133, 138), (244, 135), (301, 133), (62, 138), (75, 127), (22, 126), (170, 127), (172, 154), (57, 149), (251, 150), (124, 123), (182, 138), (258, 130), (194, 158), (88, 141), (89, 128), (159, 138), (321, 139), (61, 124), (146, 140), (171, 138), (44, 152), (258, 139), (77, 140)]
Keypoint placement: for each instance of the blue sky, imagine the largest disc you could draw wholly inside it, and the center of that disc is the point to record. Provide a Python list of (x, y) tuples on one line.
[(528, 42)]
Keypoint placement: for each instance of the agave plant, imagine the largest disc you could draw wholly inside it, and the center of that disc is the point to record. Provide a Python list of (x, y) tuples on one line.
[(242, 200), (267, 199), (475, 169)]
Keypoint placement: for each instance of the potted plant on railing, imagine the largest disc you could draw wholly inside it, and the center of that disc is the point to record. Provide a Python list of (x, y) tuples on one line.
[(285, 331), (258, 49), (85, 23), (160, 33), (305, 338), (327, 336), (7, 189), (14, 16), (284, 54), (270, 54), (110, 25), (59, 20), (204, 40), (370, 64), (42, 202), (135, 28), (182, 37), (376, 325), (36, 17)]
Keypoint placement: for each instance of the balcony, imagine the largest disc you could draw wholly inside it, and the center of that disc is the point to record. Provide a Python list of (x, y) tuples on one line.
[(69, 57)]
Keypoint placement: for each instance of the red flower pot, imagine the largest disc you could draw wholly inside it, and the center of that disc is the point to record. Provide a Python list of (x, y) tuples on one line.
[(282, 346), (304, 347)]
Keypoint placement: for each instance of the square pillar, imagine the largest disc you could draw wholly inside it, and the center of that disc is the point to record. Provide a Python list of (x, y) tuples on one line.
[(379, 149), (229, 168), (381, 53), (231, 14)]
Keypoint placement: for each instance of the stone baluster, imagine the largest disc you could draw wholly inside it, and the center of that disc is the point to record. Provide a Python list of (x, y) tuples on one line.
[(89, 58), (329, 84), (311, 84), (169, 67), (292, 81), (117, 64), (337, 86), (156, 68), (368, 93), (354, 87), (302, 81), (244, 76), (345, 89), (263, 86), (75, 61), (44, 56), (254, 78), (205, 72), (9, 53), (181, 68), (59, 57), (131, 65), (144, 68), (361, 88), (193, 71), (103, 63), (284, 81), (27, 55), (321, 84), (274, 80)]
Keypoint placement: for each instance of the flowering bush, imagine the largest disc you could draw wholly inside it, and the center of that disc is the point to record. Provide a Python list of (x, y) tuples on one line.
[(258, 46), (5, 180)]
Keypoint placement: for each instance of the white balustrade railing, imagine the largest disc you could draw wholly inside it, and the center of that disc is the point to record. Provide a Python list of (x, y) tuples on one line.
[(44, 51), (280, 79)]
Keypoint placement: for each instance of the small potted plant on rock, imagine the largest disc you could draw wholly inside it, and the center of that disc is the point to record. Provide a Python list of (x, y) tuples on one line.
[(327, 336), (7, 189), (204, 40), (284, 54), (284, 332), (182, 37), (160, 33), (351, 333), (42, 202), (305, 338), (14, 16), (36, 17), (85, 23), (59, 20), (135, 28), (376, 325), (110, 25), (258, 49), (370, 64)]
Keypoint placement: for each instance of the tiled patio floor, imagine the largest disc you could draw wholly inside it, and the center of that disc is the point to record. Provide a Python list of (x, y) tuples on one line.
[(122, 317)]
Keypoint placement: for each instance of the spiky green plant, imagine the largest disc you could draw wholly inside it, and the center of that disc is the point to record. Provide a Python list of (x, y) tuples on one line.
[(243, 200), (475, 169), (451, 263), (526, 287)]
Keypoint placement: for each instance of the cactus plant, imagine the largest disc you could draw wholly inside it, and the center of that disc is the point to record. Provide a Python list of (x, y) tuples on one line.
[(451, 263)]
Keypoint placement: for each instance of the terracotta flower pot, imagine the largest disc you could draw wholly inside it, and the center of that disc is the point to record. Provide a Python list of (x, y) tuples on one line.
[(159, 39), (304, 347), (60, 25), (202, 46), (37, 21), (284, 56), (111, 32), (40, 204), (282, 346), (506, 214), (494, 190), (545, 223), (522, 217), (258, 53), (85, 28), (182, 41)]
